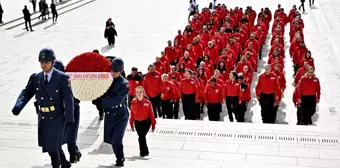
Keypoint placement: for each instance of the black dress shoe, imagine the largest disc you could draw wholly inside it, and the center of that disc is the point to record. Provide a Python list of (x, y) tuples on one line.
[(144, 154), (75, 158), (120, 162), (101, 118), (66, 165)]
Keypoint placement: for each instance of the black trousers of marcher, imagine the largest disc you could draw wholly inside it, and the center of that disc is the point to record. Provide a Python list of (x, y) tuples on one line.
[(175, 108), (142, 128), (296, 68), (201, 108), (197, 109), (57, 158), (308, 108), (267, 107), (54, 16), (260, 54), (34, 6), (311, 3), (232, 103), (188, 103), (303, 6), (130, 98), (274, 114), (299, 115), (1, 18), (156, 105), (29, 24), (111, 40), (241, 110), (167, 109), (214, 111)]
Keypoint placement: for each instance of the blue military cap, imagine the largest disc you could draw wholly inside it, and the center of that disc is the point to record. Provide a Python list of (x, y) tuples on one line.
[(46, 55), (117, 65)]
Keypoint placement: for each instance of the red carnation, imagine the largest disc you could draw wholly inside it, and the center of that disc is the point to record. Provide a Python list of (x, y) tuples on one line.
[(88, 62)]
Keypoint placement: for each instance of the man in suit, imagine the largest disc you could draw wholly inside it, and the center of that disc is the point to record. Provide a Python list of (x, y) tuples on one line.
[(52, 90), (27, 17)]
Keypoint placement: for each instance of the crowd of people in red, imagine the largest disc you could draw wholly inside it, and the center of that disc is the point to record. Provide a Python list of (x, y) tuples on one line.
[(213, 60)]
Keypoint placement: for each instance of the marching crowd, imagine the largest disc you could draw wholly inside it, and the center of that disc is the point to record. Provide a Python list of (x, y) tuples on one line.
[(213, 60)]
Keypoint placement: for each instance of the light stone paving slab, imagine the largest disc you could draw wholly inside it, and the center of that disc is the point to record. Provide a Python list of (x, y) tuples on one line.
[(329, 154), (299, 152), (259, 150), (279, 160)]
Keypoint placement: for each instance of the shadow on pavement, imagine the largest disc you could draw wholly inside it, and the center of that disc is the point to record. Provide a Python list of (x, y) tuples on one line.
[(91, 130), (103, 148), (106, 48)]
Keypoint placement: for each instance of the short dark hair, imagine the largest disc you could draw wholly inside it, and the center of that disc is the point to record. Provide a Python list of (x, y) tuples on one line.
[(95, 51)]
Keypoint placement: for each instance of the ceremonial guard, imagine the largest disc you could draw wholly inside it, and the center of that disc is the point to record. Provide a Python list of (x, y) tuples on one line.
[(71, 129), (52, 90), (115, 110)]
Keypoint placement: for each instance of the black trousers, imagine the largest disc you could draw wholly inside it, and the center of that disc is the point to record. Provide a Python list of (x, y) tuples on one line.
[(214, 111), (167, 109), (274, 114), (29, 23), (34, 6), (303, 6), (156, 105), (175, 109), (241, 110), (130, 98), (308, 108), (299, 115), (111, 40), (197, 109), (142, 128), (57, 158), (296, 68), (267, 107), (1, 18), (188, 103), (54, 16), (232, 104), (260, 54), (311, 3)]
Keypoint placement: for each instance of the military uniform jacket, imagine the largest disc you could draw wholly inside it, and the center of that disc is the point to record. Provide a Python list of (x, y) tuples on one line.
[(116, 112), (58, 98)]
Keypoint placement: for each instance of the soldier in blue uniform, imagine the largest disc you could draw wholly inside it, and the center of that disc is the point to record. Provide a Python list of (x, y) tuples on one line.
[(115, 109), (71, 130), (52, 90)]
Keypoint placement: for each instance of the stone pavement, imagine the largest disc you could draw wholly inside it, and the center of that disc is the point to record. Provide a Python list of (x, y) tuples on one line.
[(143, 29)]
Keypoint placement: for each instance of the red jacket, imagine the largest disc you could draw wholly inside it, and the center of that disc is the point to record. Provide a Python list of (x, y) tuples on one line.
[(177, 74), (256, 44), (309, 87), (241, 64), (177, 93), (134, 82), (295, 95), (160, 67), (298, 54), (253, 53), (189, 86), (178, 52), (212, 52), (170, 53), (228, 61), (188, 63), (310, 61), (213, 94), (281, 79), (299, 75), (280, 67), (168, 90), (198, 51), (152, 84), (244, 93), (183, 41), (231, 88), (248, 77), (268, 84), (141, 110), (271, 60), (166, 63)]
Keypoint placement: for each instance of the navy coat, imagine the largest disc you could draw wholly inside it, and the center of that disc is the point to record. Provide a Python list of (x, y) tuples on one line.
[(116, 112), (56, 93)]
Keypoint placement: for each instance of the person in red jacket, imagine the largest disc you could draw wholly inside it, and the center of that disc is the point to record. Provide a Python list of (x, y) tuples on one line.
[(243, 62), (188, 90), (244, 97), (213, 96), (134, 80), (187, 60), (267, 92), (308, 58), (297, 105), (159, 65), (177, 96), (232, 93), (212, 51), (173, 72), (167, 97), (300, 73), (308, 95), (298, 54), (141, 119), (170, 53), (152, 84)]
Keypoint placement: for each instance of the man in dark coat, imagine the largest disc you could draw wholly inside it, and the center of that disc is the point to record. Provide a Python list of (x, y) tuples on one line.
[(116, 112), (52, 90), (71, 130), (27, 17), (34, 3), (54, 12)]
